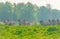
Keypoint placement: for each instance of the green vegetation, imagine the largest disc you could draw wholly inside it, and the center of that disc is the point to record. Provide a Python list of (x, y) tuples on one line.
[(28, 12), (29, 32)]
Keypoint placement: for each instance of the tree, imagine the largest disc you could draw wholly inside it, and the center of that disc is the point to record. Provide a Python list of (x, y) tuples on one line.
[(19, 10), (42, 14), (26, 11), (6, 11), (1, 10), (14, 16)]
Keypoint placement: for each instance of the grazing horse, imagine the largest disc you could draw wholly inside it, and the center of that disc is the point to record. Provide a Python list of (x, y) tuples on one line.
[(8, 22), (23, 22), (58, 21)]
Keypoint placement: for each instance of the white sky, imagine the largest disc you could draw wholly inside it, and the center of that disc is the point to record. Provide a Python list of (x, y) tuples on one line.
[(55, 4)]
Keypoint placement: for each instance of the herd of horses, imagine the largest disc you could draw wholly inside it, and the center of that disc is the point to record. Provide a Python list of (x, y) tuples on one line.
[(24, 22), (19, 22), (50, 22)]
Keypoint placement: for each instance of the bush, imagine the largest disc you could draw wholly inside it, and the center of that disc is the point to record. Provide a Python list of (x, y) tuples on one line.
[(17, 32), (51, 31)]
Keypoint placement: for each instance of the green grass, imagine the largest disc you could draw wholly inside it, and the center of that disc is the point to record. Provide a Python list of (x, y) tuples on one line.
[(29, 32)]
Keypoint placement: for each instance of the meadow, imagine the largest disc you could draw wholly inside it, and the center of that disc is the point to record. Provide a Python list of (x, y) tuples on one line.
[(29, 32)]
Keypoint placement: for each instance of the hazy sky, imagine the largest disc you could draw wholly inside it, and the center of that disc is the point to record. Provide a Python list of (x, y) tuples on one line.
[(54, 3)]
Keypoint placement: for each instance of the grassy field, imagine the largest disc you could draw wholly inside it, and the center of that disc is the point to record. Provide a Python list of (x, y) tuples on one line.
[(29, 32)]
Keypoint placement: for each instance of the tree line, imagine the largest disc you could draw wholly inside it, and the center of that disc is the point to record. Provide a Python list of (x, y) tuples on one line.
[(27, 12)]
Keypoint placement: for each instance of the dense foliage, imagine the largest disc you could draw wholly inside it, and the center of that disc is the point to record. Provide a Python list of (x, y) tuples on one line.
[(29, 32), (27, 11)]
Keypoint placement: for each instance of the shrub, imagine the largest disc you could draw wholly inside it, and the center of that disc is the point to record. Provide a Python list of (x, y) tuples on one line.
[(51, 31)]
